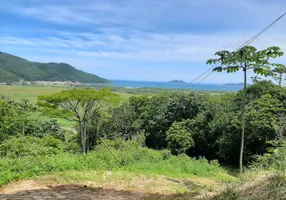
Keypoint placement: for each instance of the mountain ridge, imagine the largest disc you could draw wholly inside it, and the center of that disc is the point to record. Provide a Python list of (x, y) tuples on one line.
[(14, 68)]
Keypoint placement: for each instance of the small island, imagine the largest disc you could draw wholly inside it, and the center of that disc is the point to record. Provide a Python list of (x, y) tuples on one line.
[(177, 82)]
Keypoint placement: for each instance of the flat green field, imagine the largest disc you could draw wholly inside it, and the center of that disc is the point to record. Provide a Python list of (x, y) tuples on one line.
[(17, 92)]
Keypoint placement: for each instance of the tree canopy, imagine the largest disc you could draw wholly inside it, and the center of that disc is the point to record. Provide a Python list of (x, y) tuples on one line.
[(246, 58), (83, 104)]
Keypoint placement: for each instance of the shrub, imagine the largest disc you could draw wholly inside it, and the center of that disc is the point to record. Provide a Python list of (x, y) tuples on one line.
[(166, 154), (30, 146), (42, 128), (274, 159), (179, 138)]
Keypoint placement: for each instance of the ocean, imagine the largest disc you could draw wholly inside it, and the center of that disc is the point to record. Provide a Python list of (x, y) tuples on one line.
[(149, 84)]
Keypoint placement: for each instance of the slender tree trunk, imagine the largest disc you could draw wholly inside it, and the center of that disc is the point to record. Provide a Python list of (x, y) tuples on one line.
[(280, 80), (23, 129), (97, 129), (87, 139), (243, 122), (81, 131), (24, 123), (84, 138)]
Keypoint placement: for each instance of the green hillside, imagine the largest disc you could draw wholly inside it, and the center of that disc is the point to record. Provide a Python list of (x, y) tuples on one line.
[(13, 68)]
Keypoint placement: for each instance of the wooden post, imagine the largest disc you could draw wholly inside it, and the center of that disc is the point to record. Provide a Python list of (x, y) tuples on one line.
[(109, 149)]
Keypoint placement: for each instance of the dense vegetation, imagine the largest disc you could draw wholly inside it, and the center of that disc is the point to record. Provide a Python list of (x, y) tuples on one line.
[(199, 125), (14, 68), (202, 125), (176, 134)]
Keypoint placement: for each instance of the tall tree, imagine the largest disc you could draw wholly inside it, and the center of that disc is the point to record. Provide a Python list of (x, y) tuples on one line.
[(83, 104), (278, 73), (245, 59)]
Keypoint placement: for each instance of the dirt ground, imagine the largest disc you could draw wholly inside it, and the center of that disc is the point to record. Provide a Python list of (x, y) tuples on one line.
[(109, 186), (32, 190), (106, 185)]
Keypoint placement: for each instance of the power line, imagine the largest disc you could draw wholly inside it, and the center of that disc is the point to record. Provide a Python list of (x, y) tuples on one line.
[(261, 32), (203, 74), (202, 79), (243, 45)]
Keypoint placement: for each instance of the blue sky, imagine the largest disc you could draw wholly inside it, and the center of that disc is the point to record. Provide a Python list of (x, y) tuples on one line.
[(138, 39)]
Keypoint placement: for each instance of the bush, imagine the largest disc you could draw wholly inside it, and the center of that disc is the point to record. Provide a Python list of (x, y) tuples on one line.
[(166, 154), (179, 138), (42, 128), (274, 159), (30, 146)]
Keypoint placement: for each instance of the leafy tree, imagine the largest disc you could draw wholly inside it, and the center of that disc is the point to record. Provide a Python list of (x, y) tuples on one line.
[(154, 121), (96, 128), (262, 120), (83, 103), (179, 138), (278, 73), (260, 89), (152, 116), (281, 129), (246, 58), (13, 117), (22, 118), (216, 130), (122, 122), (158, 113)]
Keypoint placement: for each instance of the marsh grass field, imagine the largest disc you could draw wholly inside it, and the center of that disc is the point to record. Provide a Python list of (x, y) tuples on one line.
[(18, 92)]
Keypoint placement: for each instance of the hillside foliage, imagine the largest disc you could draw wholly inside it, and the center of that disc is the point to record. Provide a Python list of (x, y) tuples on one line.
[(13, 68)]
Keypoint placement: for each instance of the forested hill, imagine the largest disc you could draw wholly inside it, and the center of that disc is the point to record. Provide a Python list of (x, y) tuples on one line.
[(13, 68)]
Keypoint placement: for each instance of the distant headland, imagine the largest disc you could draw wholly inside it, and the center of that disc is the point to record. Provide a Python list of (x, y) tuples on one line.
[(177, 81)]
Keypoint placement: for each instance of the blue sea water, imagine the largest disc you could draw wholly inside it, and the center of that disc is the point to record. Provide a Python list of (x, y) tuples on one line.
[(149, 84)]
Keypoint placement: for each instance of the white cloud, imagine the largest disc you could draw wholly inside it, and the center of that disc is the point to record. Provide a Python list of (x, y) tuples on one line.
[(161, 14), (144, 46), (141, 33)]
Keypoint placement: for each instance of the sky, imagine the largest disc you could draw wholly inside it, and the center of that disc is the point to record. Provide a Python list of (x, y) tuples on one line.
[(150, 40)]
